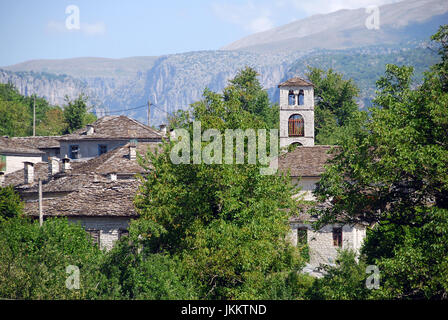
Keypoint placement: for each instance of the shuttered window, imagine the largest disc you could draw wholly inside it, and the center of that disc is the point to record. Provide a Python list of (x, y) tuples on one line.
[(123, 233), (94, 235), (337, 237), (302, 238), (296, 126)]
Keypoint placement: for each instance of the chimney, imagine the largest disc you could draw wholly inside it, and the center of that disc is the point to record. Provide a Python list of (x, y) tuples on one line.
[(29, 172), (132, 150), (113, 176), (90, 130), (66, 164), (2, 178), (53, 166), (163, 129)]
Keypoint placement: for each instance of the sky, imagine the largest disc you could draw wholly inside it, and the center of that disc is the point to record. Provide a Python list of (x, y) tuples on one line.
[(59, 29)]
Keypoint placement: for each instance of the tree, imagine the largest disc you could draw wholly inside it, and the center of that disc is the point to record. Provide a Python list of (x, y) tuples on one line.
[(130, 273), (10, 203), (34, 260), (16, 114), (336, 109), (247, 89), (227, 223), (344, 281), (76, 113), (393, 175), (52, 124)]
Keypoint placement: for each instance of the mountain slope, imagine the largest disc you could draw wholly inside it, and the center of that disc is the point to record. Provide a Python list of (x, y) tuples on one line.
[(399, 22), (339, 40)]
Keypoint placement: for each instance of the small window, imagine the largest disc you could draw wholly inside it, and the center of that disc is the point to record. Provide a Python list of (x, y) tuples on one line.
[(102, 148), (302, 238), (337, 237), (123, 233), (94, 236), (74, 151), (301, 97), (291, 98)]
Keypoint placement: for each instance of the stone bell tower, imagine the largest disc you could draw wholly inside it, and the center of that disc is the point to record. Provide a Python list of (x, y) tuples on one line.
[(296, 112)]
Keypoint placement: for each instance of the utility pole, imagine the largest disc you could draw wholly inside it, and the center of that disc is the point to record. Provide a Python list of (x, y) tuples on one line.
[(149, 113), (34, 116), (41, 216)]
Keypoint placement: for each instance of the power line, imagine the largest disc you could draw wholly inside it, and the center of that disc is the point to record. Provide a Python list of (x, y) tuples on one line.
[(124, 110)]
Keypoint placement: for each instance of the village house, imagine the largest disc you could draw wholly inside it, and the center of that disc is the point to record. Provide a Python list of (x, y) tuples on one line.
[(106, 134), (97, 193), (49, 145), (14, 153)]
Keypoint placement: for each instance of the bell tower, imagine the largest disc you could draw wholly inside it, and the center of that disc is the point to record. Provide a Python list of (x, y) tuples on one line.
[(296, 112)]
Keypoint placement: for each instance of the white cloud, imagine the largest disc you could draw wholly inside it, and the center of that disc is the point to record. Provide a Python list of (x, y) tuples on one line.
[(263, 14), (327, 6), (93, 29), (251, 17), (90, 29)]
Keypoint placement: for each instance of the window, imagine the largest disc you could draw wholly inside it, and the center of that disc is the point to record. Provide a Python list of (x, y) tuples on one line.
[(74, 151), (291, 98), (302, 236), (102, 148), (2, 162), (123, 233), (301, 97), (337, 237), (296, 126), (94, 236)]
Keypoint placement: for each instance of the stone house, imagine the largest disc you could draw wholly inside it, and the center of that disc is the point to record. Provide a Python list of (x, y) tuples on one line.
[(49, 145), (305, 163), (97, 193), (13, 154), (106, 134)]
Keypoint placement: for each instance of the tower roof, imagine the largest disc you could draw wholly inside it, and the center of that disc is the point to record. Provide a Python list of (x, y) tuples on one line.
[(296, 82)]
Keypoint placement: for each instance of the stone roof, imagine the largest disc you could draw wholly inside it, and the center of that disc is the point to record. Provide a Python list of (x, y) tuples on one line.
[(94, 199), (39, 142), (305, 161), (113, 128), (296, 82), (9, 145), (86, 190), (116, 160)]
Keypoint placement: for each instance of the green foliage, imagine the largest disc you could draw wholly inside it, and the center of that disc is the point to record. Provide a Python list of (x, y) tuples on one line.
[(128, 273), (33, 260), (246, 88), (344, 281), (76, 113), (16, 114), (413, 259), (393, 174), (10, 204), (336, 110), (227, 223)]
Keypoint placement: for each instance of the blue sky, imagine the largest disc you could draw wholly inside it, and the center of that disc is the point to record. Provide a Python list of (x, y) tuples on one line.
[(32, 29)]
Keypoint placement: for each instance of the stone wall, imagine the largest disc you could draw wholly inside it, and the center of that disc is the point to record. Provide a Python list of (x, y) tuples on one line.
[(109, 228), (15, 162), (322, 249)]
